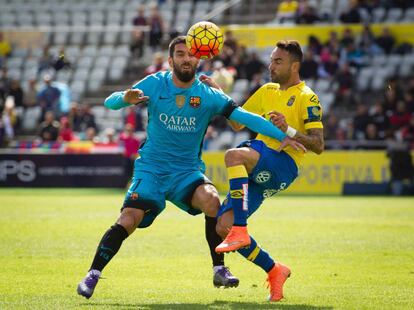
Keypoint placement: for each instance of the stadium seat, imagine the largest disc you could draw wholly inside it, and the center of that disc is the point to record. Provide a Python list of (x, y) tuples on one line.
[(322, 86), (81, 74), (31, 118), (241, 85), (85, 62), (394, 15), (409, 15), (378, 14)]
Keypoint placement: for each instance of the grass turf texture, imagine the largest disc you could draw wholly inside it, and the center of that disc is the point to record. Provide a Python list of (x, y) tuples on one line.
[(345, 253)]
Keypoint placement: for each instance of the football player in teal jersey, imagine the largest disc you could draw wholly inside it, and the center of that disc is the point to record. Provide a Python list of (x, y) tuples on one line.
[(169, 167)]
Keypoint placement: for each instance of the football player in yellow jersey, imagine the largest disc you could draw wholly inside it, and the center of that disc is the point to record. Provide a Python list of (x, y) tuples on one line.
[(258, 169)]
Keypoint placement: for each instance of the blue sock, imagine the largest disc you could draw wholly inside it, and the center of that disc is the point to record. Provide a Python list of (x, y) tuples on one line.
[(238, 179), (257, 255)]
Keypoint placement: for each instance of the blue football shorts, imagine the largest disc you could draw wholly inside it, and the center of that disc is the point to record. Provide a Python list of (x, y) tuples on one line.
[(274, 172), (150, 189)]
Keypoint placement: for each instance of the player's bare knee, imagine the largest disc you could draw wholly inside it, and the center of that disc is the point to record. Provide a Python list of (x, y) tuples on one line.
[(233, 157), (210, 203), (130, 219)]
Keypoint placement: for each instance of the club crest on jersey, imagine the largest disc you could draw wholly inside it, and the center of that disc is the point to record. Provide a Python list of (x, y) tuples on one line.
[(134, 196), (195, 101), (179, 101), (291, 101)]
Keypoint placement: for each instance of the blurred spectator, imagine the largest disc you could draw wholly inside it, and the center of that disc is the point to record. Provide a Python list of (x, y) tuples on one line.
[(402, 170), (60, 61), (361, 121), (351, 55), (286, 10), (30, 95), (385, 41), (331, 126), (90, 135), (4, 86), (8, 121), (333, 43), (255, 84), (48, 97), (407, 132), (347, 38), (131, 117), (345, 80), (65, 130), (329, 66), (158, 64), (131, 145), (380, 119), (137, 43), (308, 16), (49, 128), (254, 66), (109, 137), (367, 42), (156, 24), (81, 118), (400, 117), (352, 15), (230, 40), (223, 77), (314, 45), (140, 19), (5, 48), (65, 97), (45, 61), (309, 67), (16, 92)]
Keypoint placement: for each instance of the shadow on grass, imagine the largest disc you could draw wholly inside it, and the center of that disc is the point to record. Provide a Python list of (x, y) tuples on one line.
[(218, 304)]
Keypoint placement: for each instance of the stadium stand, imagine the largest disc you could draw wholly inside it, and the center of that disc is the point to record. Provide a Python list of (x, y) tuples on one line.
[(95, 37)]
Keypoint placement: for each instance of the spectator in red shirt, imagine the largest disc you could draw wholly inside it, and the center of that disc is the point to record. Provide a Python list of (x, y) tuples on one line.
[(131, 145)]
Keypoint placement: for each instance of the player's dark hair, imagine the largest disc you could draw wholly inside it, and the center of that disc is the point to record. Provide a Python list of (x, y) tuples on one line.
[(174, 42), (293, 48)]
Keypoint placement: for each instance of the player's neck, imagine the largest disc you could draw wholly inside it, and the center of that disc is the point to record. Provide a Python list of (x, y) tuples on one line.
[(180, 84), (290, 83)]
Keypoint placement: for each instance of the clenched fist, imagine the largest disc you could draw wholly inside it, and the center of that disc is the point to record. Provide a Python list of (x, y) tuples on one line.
[(134, 96)]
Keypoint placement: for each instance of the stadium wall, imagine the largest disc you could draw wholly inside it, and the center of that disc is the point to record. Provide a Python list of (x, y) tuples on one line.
[(265, 36), (320, 174)]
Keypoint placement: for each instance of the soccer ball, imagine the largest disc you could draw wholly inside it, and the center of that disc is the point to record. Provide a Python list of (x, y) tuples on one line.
[(204, 40)]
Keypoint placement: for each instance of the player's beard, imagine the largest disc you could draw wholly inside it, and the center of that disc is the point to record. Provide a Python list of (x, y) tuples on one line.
[(280, 78), (184, 76)]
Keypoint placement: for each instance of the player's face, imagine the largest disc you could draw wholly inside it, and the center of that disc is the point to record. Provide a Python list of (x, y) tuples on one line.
[(184, 65), (280, 66)]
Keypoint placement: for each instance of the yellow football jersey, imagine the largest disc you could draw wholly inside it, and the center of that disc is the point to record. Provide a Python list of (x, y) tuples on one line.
[(299, 104)]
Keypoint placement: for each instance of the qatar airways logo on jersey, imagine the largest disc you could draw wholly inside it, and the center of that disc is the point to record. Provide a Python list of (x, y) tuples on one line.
[(178, 123)]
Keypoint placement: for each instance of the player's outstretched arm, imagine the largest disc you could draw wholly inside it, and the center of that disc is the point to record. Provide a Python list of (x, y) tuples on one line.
[(119, 100), (256, 123)]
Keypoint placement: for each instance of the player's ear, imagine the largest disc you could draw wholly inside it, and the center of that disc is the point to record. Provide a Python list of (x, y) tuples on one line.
[(296, 66)]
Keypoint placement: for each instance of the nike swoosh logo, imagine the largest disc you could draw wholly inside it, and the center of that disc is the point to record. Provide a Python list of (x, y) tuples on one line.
[(233, 243)]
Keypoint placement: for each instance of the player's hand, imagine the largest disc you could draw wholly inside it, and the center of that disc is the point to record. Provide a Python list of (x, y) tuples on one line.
[(292, 143), (279, 120), (135, 96), (209, 81)]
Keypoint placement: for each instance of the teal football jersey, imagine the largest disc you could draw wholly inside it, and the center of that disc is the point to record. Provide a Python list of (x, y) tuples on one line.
[(178, 119)]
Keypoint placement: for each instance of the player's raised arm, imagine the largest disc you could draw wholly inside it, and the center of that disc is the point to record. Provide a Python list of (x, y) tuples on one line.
[(312, 140), (261, 125), (119, 100)]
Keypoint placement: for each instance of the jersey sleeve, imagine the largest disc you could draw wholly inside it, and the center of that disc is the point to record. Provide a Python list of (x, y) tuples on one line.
[(149, 85), (253, 104), (312, 112), (224, 105)]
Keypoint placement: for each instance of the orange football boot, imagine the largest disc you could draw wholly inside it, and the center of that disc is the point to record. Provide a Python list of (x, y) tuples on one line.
[(276, 277), (237, 238)]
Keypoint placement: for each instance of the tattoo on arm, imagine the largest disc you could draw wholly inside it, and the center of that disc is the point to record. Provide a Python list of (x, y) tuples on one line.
[(312, 140)]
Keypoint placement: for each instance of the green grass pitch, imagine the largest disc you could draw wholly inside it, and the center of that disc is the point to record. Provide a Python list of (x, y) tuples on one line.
[(344, 252)]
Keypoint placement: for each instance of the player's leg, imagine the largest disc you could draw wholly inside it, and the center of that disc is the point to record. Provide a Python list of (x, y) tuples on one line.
[(206, 199), (139, 210), (194, 193), (277, 273), (239, 162)]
